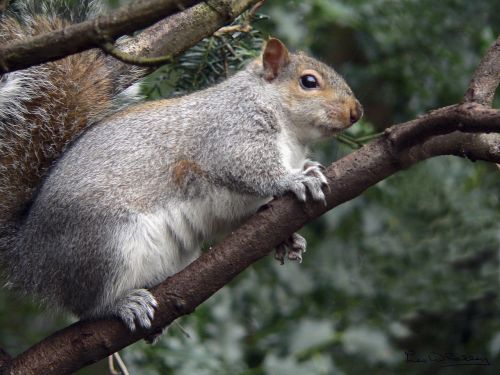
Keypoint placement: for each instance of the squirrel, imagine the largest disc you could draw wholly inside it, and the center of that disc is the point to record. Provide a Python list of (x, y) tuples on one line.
[(98, 204)]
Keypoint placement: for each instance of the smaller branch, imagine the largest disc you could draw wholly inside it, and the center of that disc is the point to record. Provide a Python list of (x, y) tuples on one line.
[(474, 147), (467, 117), (121, 365), (348, 141), (253, 11), (369, 137), (111, 366), (486, 78), (112, 50), (245, 26), (242, 28)]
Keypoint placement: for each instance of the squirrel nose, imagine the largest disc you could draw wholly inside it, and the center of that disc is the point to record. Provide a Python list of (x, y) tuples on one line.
[(356, 112)]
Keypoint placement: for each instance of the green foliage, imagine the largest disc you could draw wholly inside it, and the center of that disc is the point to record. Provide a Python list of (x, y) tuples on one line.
[(205, 64)]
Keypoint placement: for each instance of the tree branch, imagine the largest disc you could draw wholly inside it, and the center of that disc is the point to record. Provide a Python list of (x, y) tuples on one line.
[(486, 78), (148, 62), (177, 33), (467, 117), (88, 34), (484, 147)]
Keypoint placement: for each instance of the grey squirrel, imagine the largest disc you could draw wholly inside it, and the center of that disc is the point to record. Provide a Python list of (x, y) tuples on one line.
[(128, 197)]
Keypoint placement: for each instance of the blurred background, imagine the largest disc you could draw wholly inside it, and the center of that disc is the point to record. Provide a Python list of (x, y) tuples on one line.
[(412, 265)]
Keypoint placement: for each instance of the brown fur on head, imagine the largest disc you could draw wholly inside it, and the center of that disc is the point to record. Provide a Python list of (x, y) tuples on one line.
[(42, 109), (315, 96)]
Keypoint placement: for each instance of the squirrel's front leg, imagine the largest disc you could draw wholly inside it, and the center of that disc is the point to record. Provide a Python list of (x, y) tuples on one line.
[(265, 173), (310, 178), (296, 245)]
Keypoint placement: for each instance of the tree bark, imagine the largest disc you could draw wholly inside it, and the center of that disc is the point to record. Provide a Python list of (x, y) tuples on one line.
[(129, 18), (168, 37), (486, 78), (177, 33)]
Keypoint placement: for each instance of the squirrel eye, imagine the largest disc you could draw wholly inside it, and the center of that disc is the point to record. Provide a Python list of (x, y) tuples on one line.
[(308, 81)]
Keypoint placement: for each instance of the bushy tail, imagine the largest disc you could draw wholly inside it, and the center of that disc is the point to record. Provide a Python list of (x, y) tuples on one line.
[(43, 108)]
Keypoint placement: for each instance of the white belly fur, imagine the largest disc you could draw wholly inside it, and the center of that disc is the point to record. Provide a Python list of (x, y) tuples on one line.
[(293, 153), (159, 244)]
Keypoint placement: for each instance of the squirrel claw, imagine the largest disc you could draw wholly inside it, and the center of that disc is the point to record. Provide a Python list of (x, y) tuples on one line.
[(312, 179), (293, 248), (295, 256), (280, 252), (137, 307), (310, 163), (153, 338)]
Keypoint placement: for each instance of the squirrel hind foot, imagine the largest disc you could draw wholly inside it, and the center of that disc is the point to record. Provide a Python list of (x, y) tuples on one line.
[(136, 308), (292, 248)]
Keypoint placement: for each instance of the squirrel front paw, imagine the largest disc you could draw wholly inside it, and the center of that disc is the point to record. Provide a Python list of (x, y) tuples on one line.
[(295, 246), (310, 178), (311, 163), (136, 307)]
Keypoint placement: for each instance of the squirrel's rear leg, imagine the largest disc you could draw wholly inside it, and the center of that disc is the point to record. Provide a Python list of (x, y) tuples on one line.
[(294, 246), (137, 307)]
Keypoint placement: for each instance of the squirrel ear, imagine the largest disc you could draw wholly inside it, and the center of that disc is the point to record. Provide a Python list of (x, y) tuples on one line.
[(274, 58)]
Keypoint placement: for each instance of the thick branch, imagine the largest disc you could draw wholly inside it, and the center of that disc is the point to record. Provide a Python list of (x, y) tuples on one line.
[(82, 36), (486, 78), (86, 342)]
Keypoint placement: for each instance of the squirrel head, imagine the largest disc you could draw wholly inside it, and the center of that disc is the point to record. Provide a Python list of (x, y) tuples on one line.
[(316, 98)]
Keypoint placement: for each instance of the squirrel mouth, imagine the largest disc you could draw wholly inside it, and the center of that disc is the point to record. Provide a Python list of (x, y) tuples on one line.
[(330, 129)]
